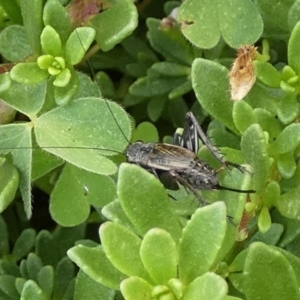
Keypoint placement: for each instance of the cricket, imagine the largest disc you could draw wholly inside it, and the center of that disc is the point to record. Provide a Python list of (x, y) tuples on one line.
[(174, 164)]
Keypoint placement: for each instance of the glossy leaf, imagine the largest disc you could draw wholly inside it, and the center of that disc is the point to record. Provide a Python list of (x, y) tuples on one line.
[(136, 288)]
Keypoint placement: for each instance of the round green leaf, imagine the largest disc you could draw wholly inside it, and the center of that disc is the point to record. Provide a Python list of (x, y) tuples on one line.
[(68, 202), (145, 132), (14, 44), (162, 264), (9, 181), (289, 205), (50, 41), (56, 15), (122, 248), (95, 264), (213, 94), (115, 24), (293, 46), (205, 21), (261, 264), (264, 220), (207, 287), (63, 78), (288, 140), (254, 148), (136, 288), (268, 74), (28, 73), (83, 131), (201, 241), (145, 201), (243, 115), (78, 43)]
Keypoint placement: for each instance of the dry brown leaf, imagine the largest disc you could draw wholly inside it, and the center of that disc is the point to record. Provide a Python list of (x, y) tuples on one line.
[(242, 75)]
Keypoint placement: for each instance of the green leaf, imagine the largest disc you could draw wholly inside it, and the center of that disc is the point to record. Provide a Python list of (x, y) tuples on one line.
[(95, 264), (68, 203), (62, 79), (288, 140), (9, 181), (56, 16), (145, 132), (78, 133), (155, 107), (24, 244), (45, 279), (122, 248), (213, 94), (288, 108), (115, 24), (28, 73), (270, 237), (264, 220), (200, 244), (150, 86), (64, 273), (267, 73), (14, 43), (165, 68), (34, 265), (162, 264), (288, 204), (254, 149), (12, 8), (32, 17), (170, 42), (206, 21), (208, 286), (7, 286), (294, 44), (275, 17), (286, 165), (136, 187), (15, 136), (32, 291), (65, 93), (78, 43), (50, 41), (4, 246), (243, 115), (136, 288), (261, 264), (5, 82), (87, 288), (27, 99)]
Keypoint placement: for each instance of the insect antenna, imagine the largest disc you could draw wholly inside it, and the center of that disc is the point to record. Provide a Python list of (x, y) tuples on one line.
[(94, 76)]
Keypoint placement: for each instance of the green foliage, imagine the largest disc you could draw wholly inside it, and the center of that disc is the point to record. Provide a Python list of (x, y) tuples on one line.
[(157, 60)]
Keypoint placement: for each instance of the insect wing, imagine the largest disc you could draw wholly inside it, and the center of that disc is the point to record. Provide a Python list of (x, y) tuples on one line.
[(169, 157)]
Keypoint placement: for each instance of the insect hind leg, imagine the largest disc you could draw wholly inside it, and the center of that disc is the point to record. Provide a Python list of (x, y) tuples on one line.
[(200, 133)]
